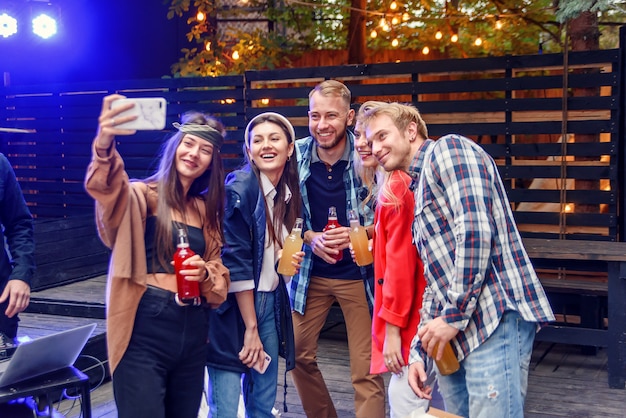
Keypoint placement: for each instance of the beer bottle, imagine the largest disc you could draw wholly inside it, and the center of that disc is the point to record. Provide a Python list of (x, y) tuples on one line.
[(293, 244), (332, 224), (359, 241), (448, 363)]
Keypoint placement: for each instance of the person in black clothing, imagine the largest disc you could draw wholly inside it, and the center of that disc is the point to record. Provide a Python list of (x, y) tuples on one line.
[(17, 261)]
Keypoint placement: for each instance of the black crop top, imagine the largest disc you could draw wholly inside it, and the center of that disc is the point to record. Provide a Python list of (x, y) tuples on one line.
[(194, 234)]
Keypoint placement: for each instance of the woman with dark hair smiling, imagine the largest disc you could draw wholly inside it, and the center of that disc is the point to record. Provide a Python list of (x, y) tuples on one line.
[(156, 342), (262, 204)]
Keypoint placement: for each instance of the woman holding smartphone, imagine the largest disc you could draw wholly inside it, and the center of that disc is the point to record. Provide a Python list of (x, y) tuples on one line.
[(262, 204), (156, 343)]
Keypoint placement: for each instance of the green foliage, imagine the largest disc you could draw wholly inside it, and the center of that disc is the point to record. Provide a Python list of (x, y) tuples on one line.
[(522, 22), (527, 27), (571, 9), (256, 49)]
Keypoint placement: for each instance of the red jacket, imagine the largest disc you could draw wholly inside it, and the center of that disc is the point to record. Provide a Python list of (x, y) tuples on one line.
[(398, 271)]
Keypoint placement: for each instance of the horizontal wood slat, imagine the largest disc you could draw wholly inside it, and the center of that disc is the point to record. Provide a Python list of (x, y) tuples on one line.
[(68, 250)]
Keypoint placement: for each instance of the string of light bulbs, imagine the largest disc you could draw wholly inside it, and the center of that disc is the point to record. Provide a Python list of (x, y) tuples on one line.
[(452, 16), (397, 18)]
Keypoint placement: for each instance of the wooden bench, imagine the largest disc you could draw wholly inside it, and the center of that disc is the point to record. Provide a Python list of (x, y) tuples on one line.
[(593, 256), (67, 250)]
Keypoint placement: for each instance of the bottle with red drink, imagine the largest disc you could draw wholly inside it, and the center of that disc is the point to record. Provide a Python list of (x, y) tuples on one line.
[(332, 224), (188, 290)]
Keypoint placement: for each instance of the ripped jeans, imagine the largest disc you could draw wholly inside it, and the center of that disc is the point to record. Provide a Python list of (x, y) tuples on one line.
[(493, 379)]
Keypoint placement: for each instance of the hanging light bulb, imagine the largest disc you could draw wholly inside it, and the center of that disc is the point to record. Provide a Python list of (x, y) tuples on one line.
[(382, 22), (386, 28), (395, 42), (478, 42), (208, 46), (426, 50), (200, 16), (373, 34), (235, 55), (498, 24), (393, 5), (438, 35), (394, 21), (454, 38), (405, 16)]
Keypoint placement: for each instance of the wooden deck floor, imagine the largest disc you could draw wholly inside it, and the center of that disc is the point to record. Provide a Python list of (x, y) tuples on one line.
[(562, 382)]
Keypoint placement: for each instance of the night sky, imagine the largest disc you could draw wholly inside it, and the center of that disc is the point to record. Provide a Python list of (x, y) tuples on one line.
[(97, 40)]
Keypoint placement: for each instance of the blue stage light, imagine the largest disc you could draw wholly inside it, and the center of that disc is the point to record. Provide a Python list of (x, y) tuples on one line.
[(44, 26), (8, 25)]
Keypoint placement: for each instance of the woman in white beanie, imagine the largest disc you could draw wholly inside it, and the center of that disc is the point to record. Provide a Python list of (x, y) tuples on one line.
[(262, 204)]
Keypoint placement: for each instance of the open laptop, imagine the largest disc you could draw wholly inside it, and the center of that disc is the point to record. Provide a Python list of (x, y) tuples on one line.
[(44, 355)]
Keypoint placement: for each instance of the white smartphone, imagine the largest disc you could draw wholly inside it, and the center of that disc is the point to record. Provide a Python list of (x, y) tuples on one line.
[(261, 366), (150, 112)]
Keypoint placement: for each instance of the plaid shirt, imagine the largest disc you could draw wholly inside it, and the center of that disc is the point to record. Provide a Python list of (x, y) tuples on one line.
[(300, 282), (474, 261)]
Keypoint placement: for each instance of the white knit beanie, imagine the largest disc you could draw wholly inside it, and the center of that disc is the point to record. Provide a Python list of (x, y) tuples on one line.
[(278, 116)]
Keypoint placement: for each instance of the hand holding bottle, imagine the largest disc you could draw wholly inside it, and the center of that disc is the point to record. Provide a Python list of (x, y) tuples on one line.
[(194, 269), (320, 243), (184, 257), (335, 238), (435, 337), (295, 262)]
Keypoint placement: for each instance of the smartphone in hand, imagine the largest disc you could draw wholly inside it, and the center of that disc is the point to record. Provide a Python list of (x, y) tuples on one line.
[(262, 365), (150, 112)]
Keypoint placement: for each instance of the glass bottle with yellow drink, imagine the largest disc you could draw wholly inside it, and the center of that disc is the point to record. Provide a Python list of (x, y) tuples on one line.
[(293, 244), (359, 241)]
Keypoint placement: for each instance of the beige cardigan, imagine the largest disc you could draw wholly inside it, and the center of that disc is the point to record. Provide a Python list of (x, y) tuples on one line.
[(121, 208)]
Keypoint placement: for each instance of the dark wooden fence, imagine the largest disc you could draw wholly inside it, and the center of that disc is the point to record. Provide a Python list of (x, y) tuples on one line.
[(51, 162), (513, 106)]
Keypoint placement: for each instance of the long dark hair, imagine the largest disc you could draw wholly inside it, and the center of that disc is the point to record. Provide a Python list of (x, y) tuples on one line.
[(209, 187), (285, 213)]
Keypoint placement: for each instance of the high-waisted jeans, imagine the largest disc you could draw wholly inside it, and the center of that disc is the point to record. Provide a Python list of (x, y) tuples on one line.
[(162, 371)]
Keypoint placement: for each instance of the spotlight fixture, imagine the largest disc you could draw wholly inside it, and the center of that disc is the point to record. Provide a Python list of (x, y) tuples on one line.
[(42, 16), (44, 26), (8, 25)]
